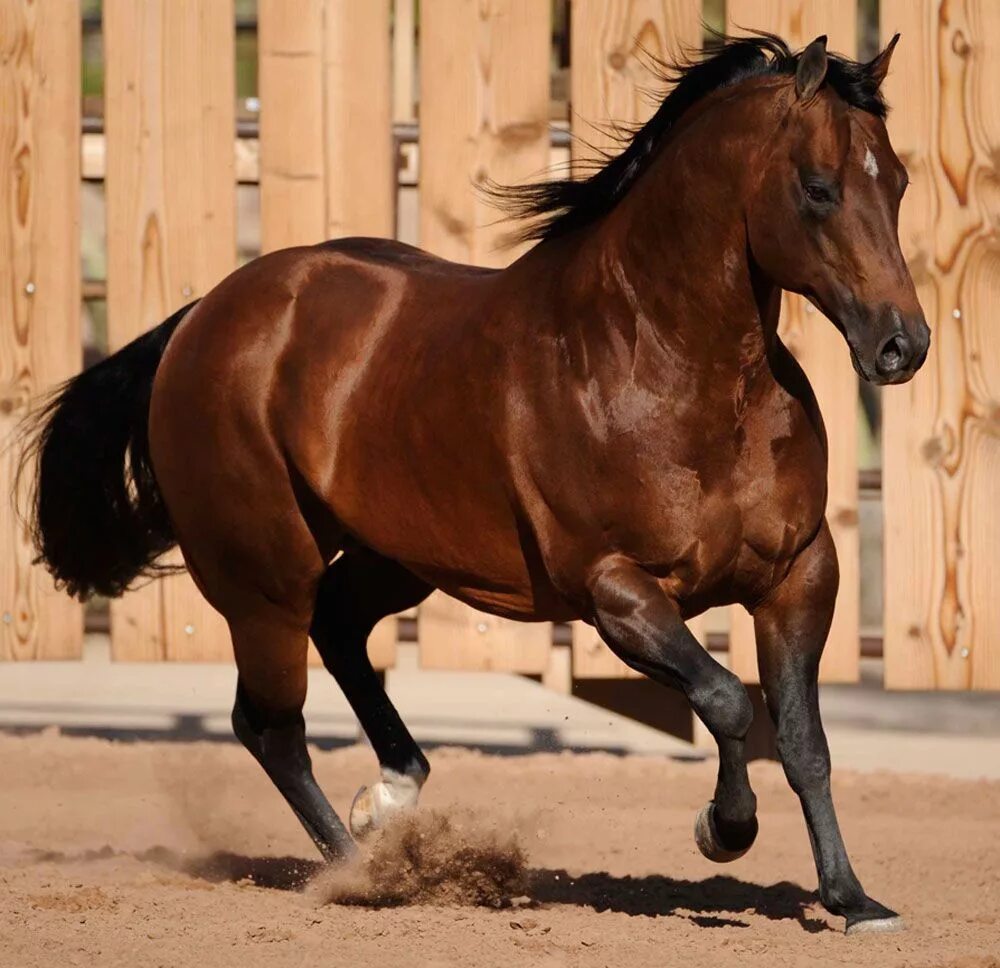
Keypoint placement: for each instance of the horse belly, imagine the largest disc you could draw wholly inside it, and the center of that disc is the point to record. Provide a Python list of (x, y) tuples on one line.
[(473, 553), (443, 512)]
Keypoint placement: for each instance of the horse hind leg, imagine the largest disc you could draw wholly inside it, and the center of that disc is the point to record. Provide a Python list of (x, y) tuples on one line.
[(264, 583), (271, 655), (358, 590)]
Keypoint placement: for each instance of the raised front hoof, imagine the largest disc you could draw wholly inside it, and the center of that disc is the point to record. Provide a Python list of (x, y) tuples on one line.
[(875, 919), (712, 845)]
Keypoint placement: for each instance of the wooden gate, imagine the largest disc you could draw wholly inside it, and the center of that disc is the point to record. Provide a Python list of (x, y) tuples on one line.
[(333, 79)]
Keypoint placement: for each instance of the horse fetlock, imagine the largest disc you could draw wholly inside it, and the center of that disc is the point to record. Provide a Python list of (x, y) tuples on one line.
[(844, 895), (375, 805)]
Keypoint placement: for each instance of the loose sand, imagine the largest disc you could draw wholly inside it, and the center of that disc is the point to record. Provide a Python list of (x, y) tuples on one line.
[(182, 855)]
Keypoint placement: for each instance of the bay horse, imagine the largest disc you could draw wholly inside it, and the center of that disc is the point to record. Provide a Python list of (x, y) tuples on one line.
[(609, 429)]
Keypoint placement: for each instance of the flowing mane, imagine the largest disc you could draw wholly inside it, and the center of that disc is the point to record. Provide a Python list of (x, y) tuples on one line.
[(554, 208)]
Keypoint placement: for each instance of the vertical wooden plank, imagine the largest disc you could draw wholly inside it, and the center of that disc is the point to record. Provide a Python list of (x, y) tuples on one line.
[(451, 635), (169, 105), (403, 60), (821, 350), (609, 79), (326, 164), (292, 142), (484, 102), (382, 644), (941, 448), (39, 287), (359, 170), (610, 82)]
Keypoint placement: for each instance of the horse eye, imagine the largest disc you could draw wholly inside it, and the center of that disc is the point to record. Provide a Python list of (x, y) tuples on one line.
[(818, 194)]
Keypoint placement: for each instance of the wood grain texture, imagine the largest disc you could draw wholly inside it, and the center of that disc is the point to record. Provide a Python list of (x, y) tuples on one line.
[(326, 150), (941, 432), (451, 635), (821, 350), (404, 107), (484, 102), (360, 171), (292, 141), (39, 288), (610, 82), (169, 105)]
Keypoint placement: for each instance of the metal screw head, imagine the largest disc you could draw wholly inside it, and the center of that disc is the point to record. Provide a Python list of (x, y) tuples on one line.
[(29, 288), (189, 629), (810, 308), (481, 627), (7, 618), (964, 653), (186, 292), (956, 313)]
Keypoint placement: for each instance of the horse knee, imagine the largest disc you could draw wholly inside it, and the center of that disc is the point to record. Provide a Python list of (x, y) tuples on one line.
[(724, 706)]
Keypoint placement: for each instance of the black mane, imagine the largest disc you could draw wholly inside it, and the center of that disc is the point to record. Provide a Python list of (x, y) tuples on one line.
[(554, 208)]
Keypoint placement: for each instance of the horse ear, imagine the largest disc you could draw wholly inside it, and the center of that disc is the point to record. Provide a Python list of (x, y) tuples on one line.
[(880, 66), (811, 70)]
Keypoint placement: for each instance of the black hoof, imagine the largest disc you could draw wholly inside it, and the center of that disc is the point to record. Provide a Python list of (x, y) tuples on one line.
[(722, 846)]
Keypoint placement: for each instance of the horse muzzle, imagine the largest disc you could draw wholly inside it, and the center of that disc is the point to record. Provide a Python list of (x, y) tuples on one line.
[(897, 353)]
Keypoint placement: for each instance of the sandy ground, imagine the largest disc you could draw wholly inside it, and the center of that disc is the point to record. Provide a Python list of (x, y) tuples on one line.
[(180, 854)]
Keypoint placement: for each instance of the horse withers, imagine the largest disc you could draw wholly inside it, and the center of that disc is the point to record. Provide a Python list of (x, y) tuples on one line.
[(610, 429)]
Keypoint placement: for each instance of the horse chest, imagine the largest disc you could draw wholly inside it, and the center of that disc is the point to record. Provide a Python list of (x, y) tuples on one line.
[(779, 482), (725, 524)]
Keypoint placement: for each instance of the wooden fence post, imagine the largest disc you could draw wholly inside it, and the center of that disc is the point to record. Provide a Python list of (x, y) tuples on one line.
[(821, 350), (484, 112), (326, 163), (941, 477), (39, 287), (611, 83), (170, 189)]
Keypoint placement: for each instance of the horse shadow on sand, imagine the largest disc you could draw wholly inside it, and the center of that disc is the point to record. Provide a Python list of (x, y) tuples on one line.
[(714, 902), (656, 895)]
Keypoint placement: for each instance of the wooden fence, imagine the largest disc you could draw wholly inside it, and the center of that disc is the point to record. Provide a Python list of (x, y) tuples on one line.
[(333, 78)]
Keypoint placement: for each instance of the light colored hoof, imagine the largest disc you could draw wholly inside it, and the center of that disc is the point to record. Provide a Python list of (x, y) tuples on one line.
[(362, 819), (707, 838), (877, 926), (374, 806)]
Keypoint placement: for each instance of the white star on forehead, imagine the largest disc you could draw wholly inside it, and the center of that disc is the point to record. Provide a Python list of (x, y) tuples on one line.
[(871, 165)]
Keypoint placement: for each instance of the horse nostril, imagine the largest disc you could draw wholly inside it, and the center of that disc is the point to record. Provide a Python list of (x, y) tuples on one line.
[(894, 354)]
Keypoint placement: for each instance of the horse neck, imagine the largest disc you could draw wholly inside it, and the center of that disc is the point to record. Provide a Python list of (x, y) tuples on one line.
[(673, 254)]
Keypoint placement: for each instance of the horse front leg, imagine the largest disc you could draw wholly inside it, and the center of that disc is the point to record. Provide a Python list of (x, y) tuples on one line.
[(643, 626), (791, 631)]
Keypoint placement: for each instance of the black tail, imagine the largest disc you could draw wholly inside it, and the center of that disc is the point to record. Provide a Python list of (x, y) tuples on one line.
[(95, 513)]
